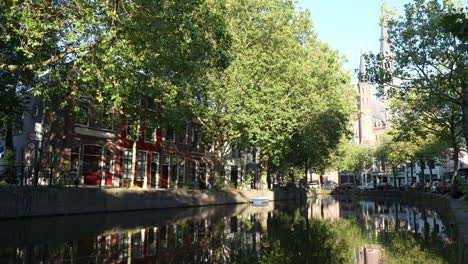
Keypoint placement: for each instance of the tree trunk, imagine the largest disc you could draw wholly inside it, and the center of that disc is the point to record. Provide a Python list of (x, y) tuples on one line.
[(430, 173), (411, 169), (134, 156), (456, 151), (217, 160), (291, 176), (465, 114), (9, 151), (422, 166), (269, 179), (306, 170), (406, 173), (264, 171)]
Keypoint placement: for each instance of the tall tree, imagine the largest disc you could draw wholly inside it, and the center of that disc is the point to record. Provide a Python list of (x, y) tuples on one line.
[(114, 52), (429, 60), (277, 80), (15, 89)]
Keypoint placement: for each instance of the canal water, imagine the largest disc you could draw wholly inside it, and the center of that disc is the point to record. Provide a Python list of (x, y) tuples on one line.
[(317, 231)]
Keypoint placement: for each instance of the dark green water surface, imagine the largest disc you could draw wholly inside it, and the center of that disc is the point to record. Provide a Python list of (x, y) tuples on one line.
[(316, 231)]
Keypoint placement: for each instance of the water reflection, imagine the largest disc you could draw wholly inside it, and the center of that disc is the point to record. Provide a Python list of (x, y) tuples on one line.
[(320, 231)]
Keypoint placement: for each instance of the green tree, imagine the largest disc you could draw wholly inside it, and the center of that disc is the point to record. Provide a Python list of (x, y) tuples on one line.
[(112, 58), (15, 91), (114, 52), (274, 79), (429, 59), (430, 123), (353, 158)]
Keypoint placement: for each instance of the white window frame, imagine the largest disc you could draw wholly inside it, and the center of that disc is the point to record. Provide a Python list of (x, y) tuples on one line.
[(124, 164), (138, 164)]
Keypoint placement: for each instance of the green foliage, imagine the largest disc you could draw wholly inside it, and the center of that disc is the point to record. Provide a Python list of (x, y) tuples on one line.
[(428, 78), (402, 248), (10, 158), (247, 223), (296, 239), (219, 186), (106, 57), (186, 185), (247, 182), (273, 59), (251, 71), (274, 254), (353, 158), (464, 188)]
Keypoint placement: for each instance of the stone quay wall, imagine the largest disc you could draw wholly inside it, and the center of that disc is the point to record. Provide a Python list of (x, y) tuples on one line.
[(31, 202)]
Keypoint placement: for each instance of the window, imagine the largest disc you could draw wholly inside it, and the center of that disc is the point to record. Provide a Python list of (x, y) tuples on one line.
[(197, 140), (141, 165), (92, 159), (174, 169), (183, 135), (150, 135), (181, 169), (127, 163), (132, 130), (75, 158), (193, 171), (124, 242), (96, 119), (107, 160), (137, 245), (169, 135), (193, 135), (35, 110)]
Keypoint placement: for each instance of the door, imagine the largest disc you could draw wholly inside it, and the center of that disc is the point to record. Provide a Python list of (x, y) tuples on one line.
[(202, 176), (234, 173), (108, 168), (154, 169), (92, 164), (164, 172)]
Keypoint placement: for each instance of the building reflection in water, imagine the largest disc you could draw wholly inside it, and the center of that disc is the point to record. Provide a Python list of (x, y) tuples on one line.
[(228, 239), (381, 216), (378, 217), (369, 255)]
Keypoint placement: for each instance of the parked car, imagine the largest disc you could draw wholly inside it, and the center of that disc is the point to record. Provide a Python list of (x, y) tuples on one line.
[(405, 186), (384, 186), (439, 187), (329, 186), (346, 186), (463, 173), (366, 186), (314, 185), (448, 176), (417, 186), (303, 184)]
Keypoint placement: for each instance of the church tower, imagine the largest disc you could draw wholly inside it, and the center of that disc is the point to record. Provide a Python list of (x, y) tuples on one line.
[(387, 62), (365, 124)]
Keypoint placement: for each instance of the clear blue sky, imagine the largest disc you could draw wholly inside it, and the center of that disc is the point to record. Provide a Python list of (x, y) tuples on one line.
[(348, 25)]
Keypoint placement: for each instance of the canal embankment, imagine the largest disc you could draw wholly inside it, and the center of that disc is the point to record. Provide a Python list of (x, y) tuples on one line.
[(35, 202), (454, 212)]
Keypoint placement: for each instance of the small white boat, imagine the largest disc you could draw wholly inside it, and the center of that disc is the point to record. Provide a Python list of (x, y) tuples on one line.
[(260, 200)]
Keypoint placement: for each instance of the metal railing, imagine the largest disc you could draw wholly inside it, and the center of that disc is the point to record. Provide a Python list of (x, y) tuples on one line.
[(49, 176)]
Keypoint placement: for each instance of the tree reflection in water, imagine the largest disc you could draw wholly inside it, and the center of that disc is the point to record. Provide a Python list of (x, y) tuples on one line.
[(323, 231)]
